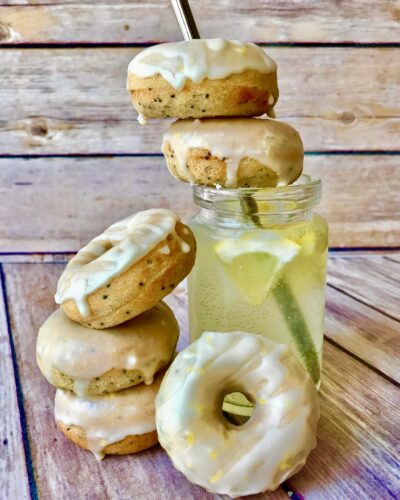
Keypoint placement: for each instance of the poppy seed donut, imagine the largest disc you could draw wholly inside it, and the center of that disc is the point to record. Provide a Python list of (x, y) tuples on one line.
[(203, 78), (114, 424), (234, 152), (126, 446), (91, 362), (127, 269)]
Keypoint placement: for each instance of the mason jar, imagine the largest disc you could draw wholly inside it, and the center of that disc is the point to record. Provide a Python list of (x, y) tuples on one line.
[(261, 266)]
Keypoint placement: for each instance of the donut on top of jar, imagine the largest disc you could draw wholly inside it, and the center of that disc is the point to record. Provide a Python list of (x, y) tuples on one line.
[(234, 152), (203, 78)]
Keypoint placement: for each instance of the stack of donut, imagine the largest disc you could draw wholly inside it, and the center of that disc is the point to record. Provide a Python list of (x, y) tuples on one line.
[(216, 89), (108, 345)]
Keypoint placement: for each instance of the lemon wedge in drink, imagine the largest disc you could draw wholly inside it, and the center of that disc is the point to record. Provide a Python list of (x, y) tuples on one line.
[(236, 408), (255, 266), (238, 404)]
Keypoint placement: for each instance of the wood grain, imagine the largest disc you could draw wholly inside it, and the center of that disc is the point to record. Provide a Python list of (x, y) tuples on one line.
[(373, 281), (33, 258), (81, 197), (13, 474), (141, 21), (393, 258), (355, 458), (363, 331), (357, 453), (60, 101), (62, 469)]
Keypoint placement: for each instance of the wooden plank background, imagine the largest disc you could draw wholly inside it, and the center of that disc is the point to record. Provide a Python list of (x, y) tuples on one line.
[(70, 146), (73, 160)]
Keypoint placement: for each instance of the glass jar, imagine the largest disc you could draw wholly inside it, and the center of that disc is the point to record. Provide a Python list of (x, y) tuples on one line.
[(261, 266)]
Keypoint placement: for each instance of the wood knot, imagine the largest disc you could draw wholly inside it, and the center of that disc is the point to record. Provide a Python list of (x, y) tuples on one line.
[(347, 117), (395, 13), (39, 128)]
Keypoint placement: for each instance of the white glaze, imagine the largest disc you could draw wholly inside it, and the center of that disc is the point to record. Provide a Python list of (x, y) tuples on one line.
[(217, 455), (113, 252), (142, 343), (275, 144), (195, 60), (142, 119), (108, 419)]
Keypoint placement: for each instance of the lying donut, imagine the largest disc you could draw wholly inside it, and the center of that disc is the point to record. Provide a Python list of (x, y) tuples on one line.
[(127, 269), (212, 452), (114, 424), (234, 152), (201, 78), (92, 362)]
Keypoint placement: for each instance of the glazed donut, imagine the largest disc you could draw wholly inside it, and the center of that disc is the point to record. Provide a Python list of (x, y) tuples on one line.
[(212, 452), (92, 362), (202, 78), (127, 269), (234, 152), (114, 424)]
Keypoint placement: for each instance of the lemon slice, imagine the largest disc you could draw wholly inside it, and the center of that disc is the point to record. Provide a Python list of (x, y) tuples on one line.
[(255, 266), (238, 404)]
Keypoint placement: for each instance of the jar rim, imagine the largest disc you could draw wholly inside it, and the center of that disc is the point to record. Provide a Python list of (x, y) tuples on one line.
[(301, 196)]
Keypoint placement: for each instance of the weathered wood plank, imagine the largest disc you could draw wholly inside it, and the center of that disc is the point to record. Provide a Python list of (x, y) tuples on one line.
[(74, 101), (62, 469), (80, 197), (13, 474), (373, 280), (356, 455), (363, 331), (142, 21)]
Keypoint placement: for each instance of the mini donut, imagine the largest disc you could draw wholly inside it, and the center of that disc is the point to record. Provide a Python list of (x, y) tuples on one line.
[(92, 362), (114, 424), (126, 270), (234, 152), (203, 78), (213, 452)]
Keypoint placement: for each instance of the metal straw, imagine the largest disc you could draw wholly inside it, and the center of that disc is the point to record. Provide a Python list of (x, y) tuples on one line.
[(185, 19)]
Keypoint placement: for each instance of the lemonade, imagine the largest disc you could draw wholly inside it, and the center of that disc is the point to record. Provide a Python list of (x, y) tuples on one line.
[(262, 274)]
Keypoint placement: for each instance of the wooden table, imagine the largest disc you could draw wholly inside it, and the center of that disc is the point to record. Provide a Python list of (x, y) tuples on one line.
[(358, 434)]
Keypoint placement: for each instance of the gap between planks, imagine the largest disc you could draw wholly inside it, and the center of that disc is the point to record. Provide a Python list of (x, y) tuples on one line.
[(363, 301), (362, 361), (24, 480), (365, 277)]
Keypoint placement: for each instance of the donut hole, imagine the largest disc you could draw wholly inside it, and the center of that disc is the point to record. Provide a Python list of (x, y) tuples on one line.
[(237, 407)]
